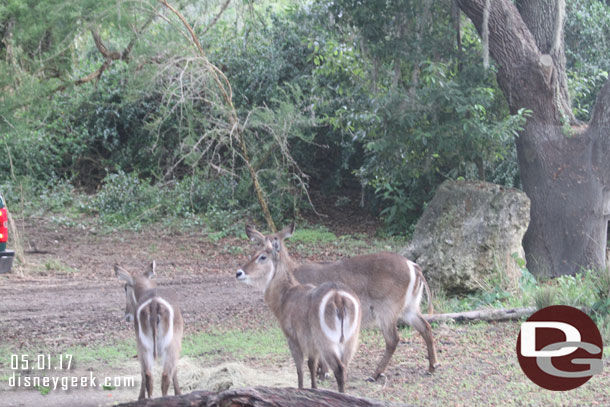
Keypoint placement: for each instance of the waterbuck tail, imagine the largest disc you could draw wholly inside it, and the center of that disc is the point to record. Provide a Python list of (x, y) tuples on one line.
[(420, 274), (348, 312), (154, 323), (338, 313), (339, 303), (165, 323)]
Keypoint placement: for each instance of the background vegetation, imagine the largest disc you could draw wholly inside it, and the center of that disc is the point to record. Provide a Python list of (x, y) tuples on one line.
[(373, 102)]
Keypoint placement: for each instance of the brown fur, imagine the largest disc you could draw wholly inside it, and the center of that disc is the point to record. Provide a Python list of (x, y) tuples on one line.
[(154, 318), (380, 281)]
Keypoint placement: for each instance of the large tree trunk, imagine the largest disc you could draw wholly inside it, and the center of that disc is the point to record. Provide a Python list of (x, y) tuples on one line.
[(562, 167), (567, 231)]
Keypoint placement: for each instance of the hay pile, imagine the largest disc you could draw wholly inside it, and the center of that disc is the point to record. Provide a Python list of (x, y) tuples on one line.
[(193, 376)]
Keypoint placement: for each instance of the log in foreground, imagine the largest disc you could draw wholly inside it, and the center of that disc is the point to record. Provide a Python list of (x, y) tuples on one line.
[(261, 397)]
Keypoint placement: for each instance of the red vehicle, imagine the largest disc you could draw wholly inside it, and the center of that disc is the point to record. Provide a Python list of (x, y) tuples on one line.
[(6, 256)]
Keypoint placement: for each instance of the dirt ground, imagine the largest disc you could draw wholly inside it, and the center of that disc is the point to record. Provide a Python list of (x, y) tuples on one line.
[(68, 296)]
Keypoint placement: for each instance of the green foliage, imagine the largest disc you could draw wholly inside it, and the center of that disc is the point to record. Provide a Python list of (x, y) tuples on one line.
[(334, 96), (601, 306), (545, 297), (127, 200), (577, 290), (26, 196), (318, 236), (239, 344), (587, 43), (313, 113), (589, 289), (420, 121), (112, 354), (272, 132)]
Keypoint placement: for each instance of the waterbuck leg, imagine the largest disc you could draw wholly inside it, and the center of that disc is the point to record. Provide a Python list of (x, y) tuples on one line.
[(423, 327), (147, 379), (177, 391), (169, 371), (297, 355), (164, 384), (312, 363), (340, 372), (390, 334), (149, 383), (142, 387)]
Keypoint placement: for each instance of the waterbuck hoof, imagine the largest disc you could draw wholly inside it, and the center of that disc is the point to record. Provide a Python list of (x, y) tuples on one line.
[(373, 379), (433, 368)]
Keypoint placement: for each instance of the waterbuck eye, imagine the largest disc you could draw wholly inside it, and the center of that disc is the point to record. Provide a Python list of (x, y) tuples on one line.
[(262, 257)]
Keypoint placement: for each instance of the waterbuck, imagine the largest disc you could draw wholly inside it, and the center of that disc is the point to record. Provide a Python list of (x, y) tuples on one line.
[(321, 323), (158, 325), (388, 285)]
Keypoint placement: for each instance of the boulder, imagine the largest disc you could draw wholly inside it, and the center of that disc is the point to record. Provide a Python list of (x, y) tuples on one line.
[(469, 236)]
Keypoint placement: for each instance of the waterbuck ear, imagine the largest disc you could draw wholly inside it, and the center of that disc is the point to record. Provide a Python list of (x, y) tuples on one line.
[(150, 273), (123, 275), (287, 231), (254, 234)]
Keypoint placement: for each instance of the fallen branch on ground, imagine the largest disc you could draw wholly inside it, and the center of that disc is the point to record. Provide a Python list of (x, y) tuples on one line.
[(488, 315)]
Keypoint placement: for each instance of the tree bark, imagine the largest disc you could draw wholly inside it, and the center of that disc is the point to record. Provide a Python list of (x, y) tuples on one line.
[(260, 397), (563, 170)]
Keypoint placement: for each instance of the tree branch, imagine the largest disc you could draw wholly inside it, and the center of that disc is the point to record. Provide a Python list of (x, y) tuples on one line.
[(109, 56), (215, 20), (487, 315), (227, 93), (112, 55)]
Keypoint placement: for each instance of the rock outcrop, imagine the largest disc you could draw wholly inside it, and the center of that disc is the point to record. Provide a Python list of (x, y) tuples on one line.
[(469, 236)]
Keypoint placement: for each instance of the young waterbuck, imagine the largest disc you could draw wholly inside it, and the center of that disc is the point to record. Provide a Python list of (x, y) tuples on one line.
[(388, 285), (158, 325), (321, 323)]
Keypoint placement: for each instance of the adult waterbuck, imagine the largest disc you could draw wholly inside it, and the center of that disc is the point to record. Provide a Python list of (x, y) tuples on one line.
[(321, 323), (158, 325), (388, 285)]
